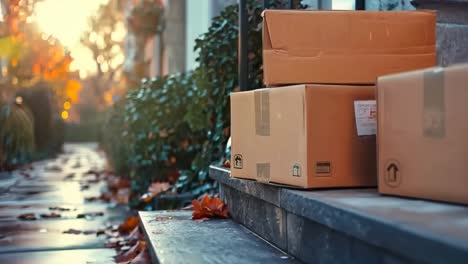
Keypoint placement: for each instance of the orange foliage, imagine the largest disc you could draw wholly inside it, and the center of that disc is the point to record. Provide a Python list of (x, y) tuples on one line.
[(209, 208), (34, 56), (130, 224)]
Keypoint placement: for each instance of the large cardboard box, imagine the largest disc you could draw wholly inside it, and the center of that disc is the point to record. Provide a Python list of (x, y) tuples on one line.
[(303, 136), (345, 47), (423, 134)]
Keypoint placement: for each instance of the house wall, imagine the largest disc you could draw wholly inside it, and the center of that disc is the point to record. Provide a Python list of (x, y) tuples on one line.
[(198, 19)]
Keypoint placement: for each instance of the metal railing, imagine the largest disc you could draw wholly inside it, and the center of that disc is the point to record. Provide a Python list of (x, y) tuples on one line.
[(243, 33)]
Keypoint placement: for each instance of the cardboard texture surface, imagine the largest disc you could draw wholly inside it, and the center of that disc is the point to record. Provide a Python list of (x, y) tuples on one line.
[(345, 47), (303, 136), (422, 134)]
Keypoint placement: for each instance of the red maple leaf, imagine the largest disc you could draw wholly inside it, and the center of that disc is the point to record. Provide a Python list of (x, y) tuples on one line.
[(209, 208)]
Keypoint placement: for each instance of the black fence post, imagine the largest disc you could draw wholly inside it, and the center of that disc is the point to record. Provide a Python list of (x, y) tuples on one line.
[(243, 47), (290, 4), (360, 5), (266, 4)]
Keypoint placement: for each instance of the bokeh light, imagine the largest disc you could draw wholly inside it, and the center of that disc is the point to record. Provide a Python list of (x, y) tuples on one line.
[(66, 105), (65, 115)]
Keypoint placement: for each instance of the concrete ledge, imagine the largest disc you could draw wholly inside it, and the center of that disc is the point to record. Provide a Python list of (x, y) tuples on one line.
[(340, 226), (174, 238)]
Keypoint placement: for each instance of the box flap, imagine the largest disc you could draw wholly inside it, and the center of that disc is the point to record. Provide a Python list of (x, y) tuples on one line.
[(315, 33)]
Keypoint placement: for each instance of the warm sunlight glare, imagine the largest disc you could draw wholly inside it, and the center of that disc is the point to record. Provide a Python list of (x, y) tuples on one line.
[(67, 20)]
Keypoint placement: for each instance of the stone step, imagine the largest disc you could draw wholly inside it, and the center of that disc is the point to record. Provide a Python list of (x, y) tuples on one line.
[(347, 225), (174, 238)]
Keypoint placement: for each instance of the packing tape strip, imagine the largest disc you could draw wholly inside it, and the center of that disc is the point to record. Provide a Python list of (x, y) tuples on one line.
[(262, 112), (263, 172), (434, 103)]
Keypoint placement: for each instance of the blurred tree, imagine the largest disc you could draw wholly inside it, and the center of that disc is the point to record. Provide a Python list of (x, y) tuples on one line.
[(36, 76), (104, 39), (33, 56)]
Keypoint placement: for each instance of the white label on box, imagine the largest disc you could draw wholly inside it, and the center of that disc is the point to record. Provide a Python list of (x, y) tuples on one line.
[(366, 117)]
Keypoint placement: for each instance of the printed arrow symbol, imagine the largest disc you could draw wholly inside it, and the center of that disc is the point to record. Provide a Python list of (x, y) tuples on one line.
[(392, 169)]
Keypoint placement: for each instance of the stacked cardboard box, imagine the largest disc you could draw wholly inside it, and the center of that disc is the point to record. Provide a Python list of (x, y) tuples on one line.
[(321, 133)]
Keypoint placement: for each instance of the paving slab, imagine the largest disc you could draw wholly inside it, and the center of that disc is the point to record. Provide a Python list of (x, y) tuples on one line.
[(48, 184), (77, 256)]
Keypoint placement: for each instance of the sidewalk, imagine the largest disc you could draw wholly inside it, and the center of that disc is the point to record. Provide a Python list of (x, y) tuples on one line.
[(52, 187), (7, 179)]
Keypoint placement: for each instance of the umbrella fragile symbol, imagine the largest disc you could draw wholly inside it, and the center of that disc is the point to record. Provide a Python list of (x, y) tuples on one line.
[(238, 161)]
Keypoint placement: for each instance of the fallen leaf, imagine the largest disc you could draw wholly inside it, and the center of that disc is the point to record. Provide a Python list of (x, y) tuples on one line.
[(69, 176), (158, 187), (160, 218), (112, 242), (89, 215), (146, 197), (202, 219), (93, 172), (28, 217), (89, 232), (131, 253), (112, 234), (227, 164), (209, 207), (125, 248), (129, 225), (135, 235), (106, 197), (91, 199), (72, 231), (56, 208), (188, 207), (51, 215), (142, 258), (154, 189)]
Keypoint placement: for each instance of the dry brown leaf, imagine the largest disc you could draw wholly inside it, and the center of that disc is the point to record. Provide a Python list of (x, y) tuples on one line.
[(142, 258), (89, 232), (69, 176), (154, 189), (89, 215), (51, 215), (28, 216), (72, 231), (130, 254), (57, 208), (135, 235), (160, 218)]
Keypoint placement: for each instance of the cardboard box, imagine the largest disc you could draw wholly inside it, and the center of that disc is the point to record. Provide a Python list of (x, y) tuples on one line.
[(423, 134), (345, 47), (303, 136)]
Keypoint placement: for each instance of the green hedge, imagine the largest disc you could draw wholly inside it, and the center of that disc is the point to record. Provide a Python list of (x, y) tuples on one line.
[(172, 128)]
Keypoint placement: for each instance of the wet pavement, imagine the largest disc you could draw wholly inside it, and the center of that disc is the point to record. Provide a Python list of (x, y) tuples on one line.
[(51, 187)]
